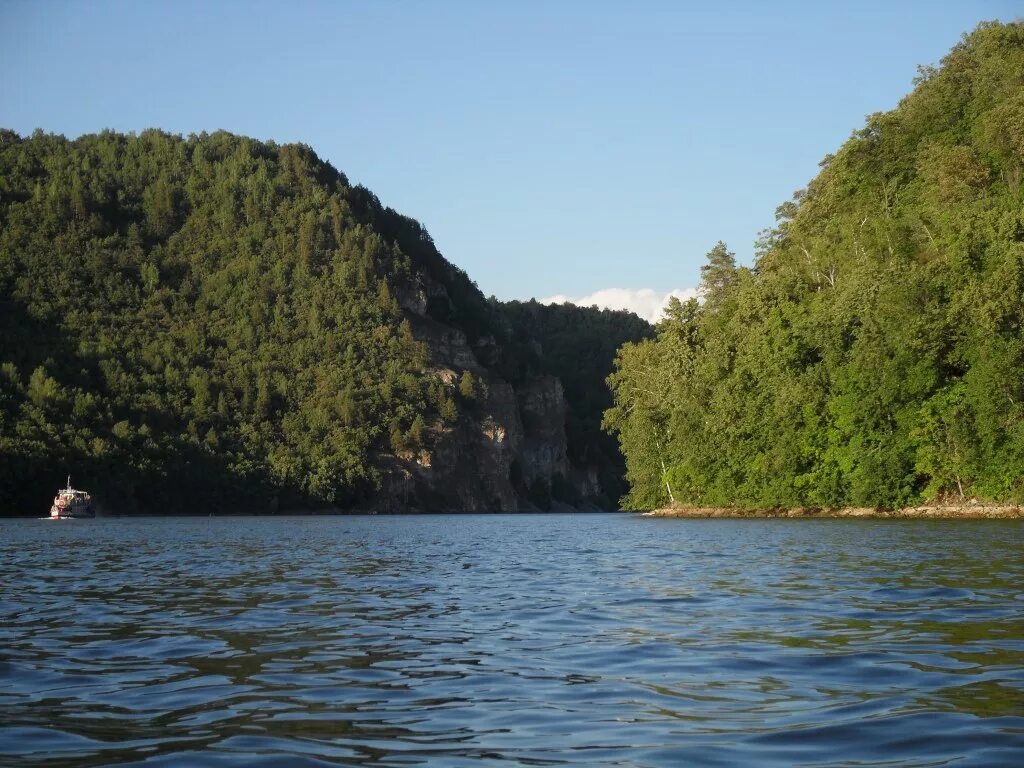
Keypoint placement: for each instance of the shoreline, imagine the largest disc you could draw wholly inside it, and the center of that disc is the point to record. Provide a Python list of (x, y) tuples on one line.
[(964, 511)]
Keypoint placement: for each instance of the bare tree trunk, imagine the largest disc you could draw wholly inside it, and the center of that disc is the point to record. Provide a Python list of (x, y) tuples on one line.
[(929, 233), (664, 473)]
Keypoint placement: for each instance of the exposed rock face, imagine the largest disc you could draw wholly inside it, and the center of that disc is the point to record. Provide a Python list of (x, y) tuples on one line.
[(413, 299), (473, 461), (509, 445), (542, 409)]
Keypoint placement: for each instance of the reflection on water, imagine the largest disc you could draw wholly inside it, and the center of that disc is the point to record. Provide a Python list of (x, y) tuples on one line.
[(531, 640)]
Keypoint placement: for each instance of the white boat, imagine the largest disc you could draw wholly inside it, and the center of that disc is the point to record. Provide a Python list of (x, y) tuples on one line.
[(71, 503)]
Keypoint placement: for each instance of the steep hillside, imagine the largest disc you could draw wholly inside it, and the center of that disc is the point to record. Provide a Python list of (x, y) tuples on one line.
[(577, 345), (216, 323), (874, 355)]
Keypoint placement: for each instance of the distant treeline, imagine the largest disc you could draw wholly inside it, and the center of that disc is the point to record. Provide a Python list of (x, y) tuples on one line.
[(874, 353)]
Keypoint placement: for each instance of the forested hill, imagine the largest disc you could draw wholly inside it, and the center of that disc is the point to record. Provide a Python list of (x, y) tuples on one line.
[(214, 323), (874, 354)]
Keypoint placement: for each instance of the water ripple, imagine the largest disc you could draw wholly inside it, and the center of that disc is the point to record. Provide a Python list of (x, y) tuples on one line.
[(520, 640)]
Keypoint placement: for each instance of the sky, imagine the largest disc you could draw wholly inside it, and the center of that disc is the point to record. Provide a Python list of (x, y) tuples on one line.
[(589, 151)]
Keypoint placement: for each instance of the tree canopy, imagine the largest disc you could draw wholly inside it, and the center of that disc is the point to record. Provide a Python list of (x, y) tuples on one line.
[(214, 322), (873, 354), (201, 320)]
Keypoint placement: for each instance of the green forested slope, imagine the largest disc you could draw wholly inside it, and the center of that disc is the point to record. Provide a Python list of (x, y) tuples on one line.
[(874, 353), (217, 323), (197, 321)]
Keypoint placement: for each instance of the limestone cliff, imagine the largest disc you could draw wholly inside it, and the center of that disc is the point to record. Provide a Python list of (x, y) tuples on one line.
[(509, 447)]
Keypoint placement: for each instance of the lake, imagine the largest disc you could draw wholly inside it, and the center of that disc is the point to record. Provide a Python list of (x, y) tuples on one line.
[(446, 640)]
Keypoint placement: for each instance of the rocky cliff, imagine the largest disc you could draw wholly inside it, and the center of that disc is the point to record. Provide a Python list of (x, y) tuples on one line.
[(508, 451)]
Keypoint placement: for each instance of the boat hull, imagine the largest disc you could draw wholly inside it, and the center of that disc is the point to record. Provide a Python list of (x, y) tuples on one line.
[(71, 503), (72, 514)]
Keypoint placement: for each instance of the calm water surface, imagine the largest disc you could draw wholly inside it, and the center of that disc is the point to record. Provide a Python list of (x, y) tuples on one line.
[(511, 640)]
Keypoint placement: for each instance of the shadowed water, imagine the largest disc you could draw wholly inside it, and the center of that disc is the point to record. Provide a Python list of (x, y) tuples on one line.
[(516, 640)]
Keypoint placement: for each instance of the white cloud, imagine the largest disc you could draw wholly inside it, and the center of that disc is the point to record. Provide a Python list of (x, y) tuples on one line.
[(646, 302)]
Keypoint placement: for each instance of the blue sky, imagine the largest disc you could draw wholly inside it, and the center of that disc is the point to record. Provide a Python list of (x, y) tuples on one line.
[(549, 148)]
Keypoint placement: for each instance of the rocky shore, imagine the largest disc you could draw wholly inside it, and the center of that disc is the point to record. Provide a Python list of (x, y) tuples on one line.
[(967, 510)]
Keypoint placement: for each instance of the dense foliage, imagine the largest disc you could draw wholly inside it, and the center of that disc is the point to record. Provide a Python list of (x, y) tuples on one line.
[(874, 354), (217, 323), (208, 321)]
